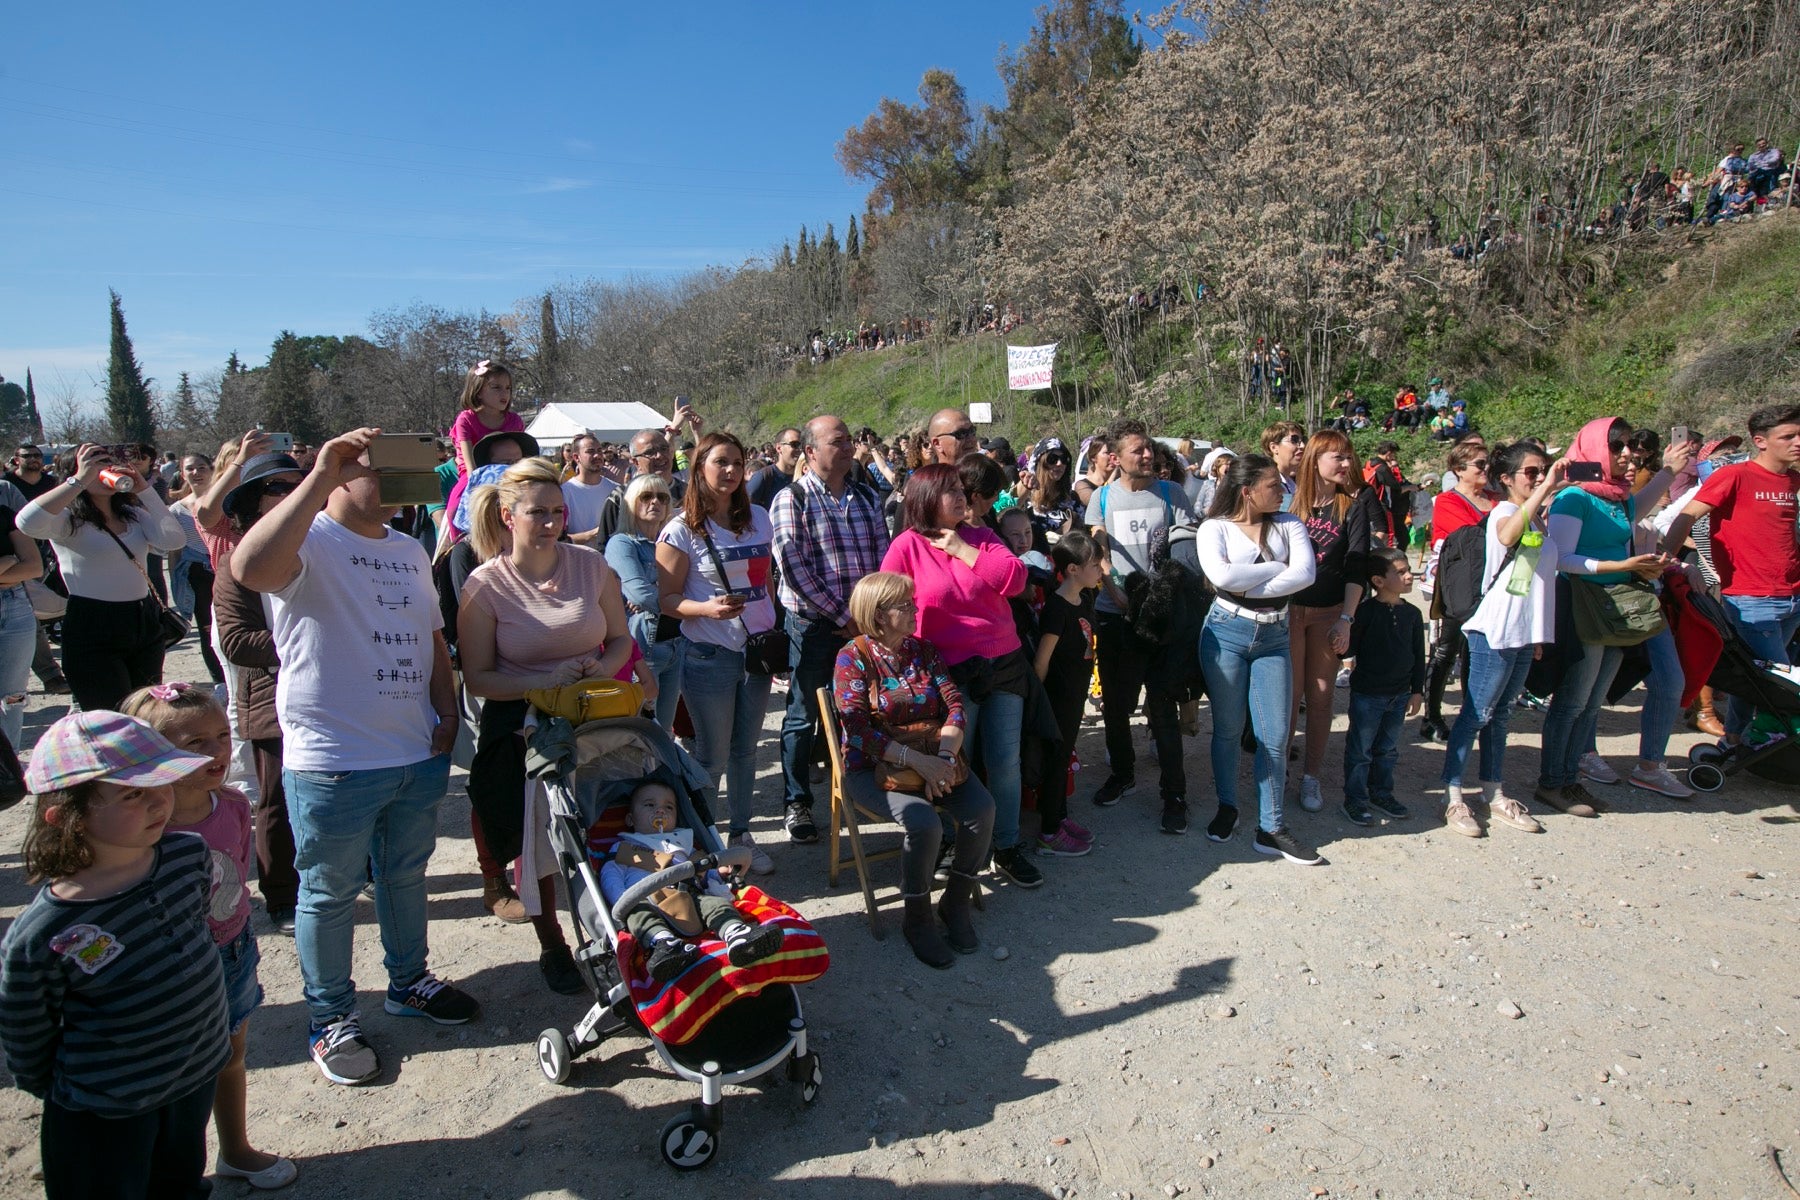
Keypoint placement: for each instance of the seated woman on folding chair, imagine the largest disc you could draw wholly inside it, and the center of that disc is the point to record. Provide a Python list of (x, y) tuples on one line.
[(902, 720)]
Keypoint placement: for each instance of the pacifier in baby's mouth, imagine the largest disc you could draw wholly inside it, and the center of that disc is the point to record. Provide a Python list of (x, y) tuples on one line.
[(660, 825)]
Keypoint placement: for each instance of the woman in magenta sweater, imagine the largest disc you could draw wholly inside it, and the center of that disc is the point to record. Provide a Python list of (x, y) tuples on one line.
[(962, 578)]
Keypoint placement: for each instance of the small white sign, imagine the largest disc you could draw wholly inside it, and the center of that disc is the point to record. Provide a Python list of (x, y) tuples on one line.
[(981, 414)]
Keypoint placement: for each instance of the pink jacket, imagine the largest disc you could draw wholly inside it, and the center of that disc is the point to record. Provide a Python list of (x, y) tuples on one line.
[(962, 609)]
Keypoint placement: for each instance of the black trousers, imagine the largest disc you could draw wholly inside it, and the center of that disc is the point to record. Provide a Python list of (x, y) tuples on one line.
[(276, 877), (1124, 661), (156, 1155), (1446, 652), (110, 649)]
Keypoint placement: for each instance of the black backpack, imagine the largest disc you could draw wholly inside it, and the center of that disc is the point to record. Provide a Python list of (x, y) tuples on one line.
[(1462, 577)]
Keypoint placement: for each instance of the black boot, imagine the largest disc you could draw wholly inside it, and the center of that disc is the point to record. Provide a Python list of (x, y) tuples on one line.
[(922, 934), (954, 908)]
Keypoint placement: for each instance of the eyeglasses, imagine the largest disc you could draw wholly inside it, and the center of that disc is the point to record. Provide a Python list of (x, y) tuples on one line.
[(279, 488), (900, 605), (660, 452)]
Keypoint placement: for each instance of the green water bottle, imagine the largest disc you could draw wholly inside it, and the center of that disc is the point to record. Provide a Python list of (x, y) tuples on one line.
[(1531, 544)]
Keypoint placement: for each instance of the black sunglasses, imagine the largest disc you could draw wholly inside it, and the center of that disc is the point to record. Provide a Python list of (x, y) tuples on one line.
[(961, 435), (788, 445), (280, 487)]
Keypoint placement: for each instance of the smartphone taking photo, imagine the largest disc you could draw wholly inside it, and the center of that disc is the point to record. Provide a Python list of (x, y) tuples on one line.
[(1583, 472)]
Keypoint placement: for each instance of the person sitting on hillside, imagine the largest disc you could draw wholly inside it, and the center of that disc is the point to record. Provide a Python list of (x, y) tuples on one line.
[(1735, 163), (1765, 167), (1739, 202), (1406, 410)]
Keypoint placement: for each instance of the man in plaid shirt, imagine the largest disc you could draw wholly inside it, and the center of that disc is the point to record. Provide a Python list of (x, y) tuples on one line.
[(829, 533)]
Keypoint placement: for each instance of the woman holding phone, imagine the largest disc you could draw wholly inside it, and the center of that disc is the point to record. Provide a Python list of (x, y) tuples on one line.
[(106, 522)]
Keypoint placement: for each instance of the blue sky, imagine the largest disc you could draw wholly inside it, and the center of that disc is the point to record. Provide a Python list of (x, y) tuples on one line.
[(235, 171)]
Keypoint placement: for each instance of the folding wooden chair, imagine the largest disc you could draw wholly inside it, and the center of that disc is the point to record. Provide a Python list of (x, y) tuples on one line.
[(845, 819)]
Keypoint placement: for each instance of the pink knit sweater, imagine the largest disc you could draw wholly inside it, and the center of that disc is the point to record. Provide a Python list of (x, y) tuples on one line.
[(962, 609)]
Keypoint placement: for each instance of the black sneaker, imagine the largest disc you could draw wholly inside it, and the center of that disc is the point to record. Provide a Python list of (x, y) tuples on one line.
[(1433, 729), (1283, 844), (752, 943), (1223, 824), (341, 1053), (669, 958), (560, 973), (1016, 865), (1390, 807), (800, 827), (1357, 811), (1113, 790), (1175, 816), (432, 998)]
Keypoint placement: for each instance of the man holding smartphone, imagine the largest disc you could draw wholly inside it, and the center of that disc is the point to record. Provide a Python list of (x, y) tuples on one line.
[(1753, 509)]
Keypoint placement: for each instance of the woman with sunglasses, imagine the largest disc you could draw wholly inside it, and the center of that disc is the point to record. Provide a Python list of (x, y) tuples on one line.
[(1505, 634), (1054, 509), (1591, 525), (1465, 504), (631, 553)]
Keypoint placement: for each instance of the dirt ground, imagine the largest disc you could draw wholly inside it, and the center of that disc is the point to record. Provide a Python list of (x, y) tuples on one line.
[(1166, 1016)]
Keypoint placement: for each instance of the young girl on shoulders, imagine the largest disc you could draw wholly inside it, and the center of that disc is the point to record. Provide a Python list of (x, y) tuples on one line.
[(204, 805), (486, 407), (112, 1004)]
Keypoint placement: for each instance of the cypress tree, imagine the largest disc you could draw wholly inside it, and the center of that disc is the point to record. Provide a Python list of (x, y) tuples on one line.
[(287, 395), (549, 350), (36, 418), (853, 240), (128, 405)]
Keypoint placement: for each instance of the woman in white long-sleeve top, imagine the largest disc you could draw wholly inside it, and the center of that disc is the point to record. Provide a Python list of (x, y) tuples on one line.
[(1256, 557), (112, 632)]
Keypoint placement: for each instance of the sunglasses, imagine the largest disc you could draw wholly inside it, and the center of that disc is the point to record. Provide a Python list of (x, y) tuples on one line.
[(1480, 464), (788, 445), (961, 435), (1617, 447), (1533, 472), (279, 488), (1294, 439)]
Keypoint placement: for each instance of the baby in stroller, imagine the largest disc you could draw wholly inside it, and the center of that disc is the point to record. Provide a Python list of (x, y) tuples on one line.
[(667, 921)]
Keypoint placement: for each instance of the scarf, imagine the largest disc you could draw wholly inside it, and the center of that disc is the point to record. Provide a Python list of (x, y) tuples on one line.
[(1590, 446)]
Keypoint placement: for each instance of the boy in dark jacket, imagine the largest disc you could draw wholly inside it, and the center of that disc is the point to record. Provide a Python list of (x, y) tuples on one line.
[(1387, 640)]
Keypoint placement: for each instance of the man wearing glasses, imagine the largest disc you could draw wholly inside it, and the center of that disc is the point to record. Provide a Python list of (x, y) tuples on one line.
[(650, 455), (950, 436), (767, 483)]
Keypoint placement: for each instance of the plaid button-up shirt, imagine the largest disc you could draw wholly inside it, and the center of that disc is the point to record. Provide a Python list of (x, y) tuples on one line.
[(825, 545)]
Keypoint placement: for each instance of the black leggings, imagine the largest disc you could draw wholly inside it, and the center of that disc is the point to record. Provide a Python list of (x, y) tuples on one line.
[(1446, 651), (200, 578), (155, 1155), (110, 649)]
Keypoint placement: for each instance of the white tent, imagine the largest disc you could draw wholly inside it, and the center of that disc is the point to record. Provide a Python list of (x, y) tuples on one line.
[(555, 424)]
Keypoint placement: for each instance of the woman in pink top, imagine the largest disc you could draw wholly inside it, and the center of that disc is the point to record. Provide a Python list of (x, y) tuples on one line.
[(963, 576), (486, 407), (542, 614)]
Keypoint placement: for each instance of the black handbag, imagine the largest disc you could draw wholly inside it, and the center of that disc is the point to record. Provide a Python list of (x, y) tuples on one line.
[(765, 653), (171, 626)]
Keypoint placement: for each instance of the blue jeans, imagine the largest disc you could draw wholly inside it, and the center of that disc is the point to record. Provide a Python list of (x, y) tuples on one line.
[(1372, 745), (181, 591), (727, 707), (343, 821), (665, 660), (1767, 624), (812, 656), (18, 645), (1574, 712), (996, 726), (1248, 671), (1662, 697), (1496, 677)]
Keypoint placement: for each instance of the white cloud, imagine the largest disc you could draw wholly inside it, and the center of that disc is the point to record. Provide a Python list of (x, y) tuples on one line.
[(560, 183)]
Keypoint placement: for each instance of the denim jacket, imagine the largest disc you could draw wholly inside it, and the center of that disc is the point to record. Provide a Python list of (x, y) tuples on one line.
[(633, 556)]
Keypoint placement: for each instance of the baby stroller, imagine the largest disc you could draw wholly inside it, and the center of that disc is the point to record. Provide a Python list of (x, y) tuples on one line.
[(712, 1025), (1770, 743)]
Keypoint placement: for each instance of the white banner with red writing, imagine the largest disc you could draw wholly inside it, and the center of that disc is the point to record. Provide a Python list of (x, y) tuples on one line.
[(1028, 367)]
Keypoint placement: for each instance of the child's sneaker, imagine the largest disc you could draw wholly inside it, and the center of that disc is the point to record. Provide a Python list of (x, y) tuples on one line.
[(1076, 830), (341, 1053), (1390, 807), (1062, 844), (670, 958), (430, 997), (746, 944)]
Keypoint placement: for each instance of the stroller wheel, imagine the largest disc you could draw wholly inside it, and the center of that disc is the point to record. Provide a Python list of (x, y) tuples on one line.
[(1706, 777), (1705, 752), (554, 1056), (687, 1145)]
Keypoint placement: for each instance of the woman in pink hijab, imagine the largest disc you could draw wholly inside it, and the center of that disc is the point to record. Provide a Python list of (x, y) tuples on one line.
[(1591, 527)]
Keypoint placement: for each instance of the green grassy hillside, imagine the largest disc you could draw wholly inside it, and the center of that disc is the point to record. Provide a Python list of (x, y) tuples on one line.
[(1708, 331)]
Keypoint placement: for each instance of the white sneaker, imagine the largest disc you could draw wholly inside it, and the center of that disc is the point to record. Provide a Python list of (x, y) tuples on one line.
[(1343, 678), (760, 862), (1311, 799), (1661, 781), (1595, 769)]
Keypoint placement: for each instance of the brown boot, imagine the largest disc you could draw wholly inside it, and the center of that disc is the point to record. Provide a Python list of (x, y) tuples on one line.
[(954, 908), (1703, 718), (921, 931), (498, 897)]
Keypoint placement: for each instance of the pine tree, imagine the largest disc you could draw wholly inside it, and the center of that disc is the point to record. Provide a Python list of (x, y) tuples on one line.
[(287, 396), (853, 240), (233, 365), (13, 416), (549, 351), (189, 416), (37, 419), (128, 405)]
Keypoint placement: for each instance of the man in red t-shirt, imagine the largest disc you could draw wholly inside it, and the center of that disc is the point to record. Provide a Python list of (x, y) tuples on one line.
[(1753, 507)]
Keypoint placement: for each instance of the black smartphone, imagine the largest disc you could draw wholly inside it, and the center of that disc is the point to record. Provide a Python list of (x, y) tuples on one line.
[(1583, 472)]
